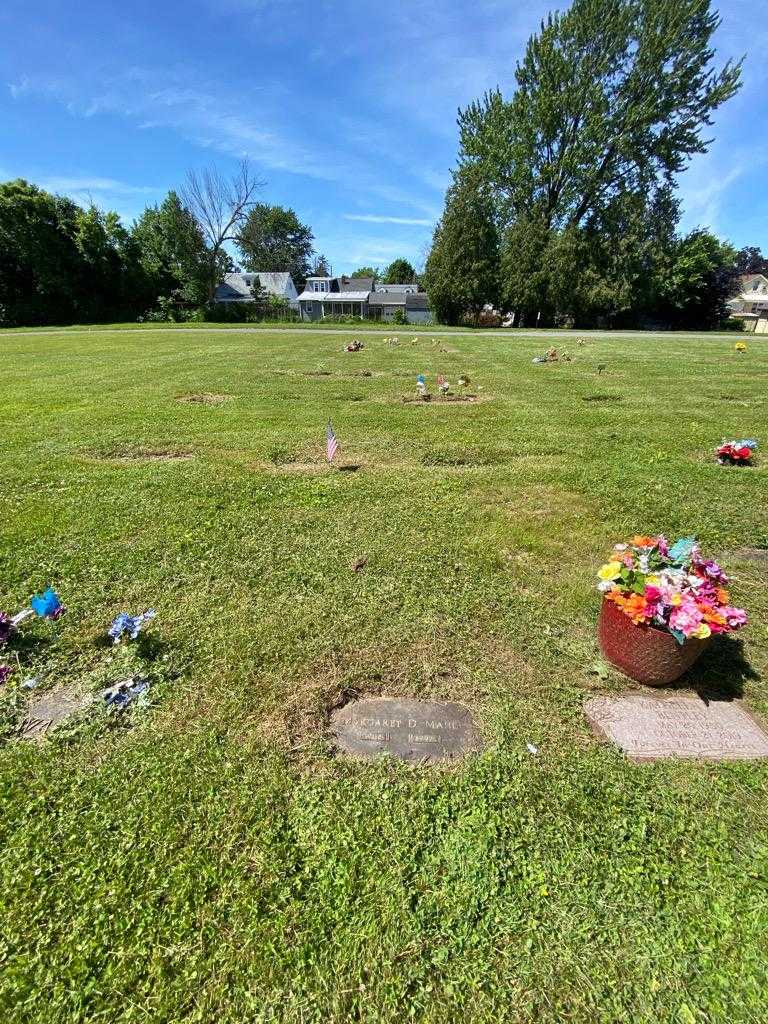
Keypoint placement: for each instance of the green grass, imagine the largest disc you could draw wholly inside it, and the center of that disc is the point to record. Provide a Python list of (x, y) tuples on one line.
[(206, 859)]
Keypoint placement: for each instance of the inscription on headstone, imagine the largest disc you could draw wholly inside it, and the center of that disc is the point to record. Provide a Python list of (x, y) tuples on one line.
[(412, 730), (648, 728)]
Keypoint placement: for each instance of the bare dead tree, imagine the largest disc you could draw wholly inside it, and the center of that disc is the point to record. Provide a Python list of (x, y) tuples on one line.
[(220, 206)]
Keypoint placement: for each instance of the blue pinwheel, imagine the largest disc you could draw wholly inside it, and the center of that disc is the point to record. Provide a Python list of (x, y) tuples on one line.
[(47, 605)]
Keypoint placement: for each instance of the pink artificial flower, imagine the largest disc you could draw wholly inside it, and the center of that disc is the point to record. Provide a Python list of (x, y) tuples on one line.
[(735, 617), (686, 617)]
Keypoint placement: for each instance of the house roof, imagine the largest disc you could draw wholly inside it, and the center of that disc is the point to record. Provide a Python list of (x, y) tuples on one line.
[(275, 283), (334, 296), (387, 298), (417, 300), (236, 287), (397, 288), (356, 284)]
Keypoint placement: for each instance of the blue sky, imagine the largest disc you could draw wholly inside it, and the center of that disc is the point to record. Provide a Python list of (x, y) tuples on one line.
[(347, 112)]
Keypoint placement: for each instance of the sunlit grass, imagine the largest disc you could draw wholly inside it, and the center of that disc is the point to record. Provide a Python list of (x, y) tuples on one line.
[(214, 862)]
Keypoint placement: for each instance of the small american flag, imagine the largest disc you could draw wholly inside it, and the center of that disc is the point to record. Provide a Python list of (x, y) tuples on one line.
[(440, 380), (331, 444)]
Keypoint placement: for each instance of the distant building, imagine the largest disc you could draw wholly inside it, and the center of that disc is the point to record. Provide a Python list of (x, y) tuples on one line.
[(751, 304), (239, 287), (359, 297)]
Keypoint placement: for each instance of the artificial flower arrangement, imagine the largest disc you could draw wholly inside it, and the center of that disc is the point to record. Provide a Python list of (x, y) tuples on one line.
[(736, 453), (740, 346), (46, 606), (670, 588), (128, 627)]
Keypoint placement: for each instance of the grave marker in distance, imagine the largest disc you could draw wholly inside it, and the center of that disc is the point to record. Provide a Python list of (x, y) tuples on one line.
[(648, 728), (411, 730)]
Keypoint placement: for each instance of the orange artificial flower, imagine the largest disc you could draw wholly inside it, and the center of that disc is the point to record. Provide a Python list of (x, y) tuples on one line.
[(643, 542), (632, 605)]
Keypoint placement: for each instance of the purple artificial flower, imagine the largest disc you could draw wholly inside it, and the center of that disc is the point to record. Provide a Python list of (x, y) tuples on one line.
[(5, 671), (6, 628)]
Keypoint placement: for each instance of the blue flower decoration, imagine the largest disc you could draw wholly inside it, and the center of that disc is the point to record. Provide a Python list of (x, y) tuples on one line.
[(420, 379), (680, 552), (129, 625), (47, 605), (119, 696)]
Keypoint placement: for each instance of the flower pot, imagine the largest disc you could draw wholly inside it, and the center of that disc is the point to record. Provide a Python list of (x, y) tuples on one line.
[(644, 653)]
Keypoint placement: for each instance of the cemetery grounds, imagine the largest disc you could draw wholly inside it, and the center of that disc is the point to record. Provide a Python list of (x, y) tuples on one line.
[(204, 856)]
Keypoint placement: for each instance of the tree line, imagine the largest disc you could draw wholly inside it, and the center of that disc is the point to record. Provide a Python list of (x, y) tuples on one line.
[(61, 263), (563, 206)]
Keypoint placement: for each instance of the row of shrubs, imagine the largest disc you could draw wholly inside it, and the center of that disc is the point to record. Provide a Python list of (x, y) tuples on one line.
[(169, 310)]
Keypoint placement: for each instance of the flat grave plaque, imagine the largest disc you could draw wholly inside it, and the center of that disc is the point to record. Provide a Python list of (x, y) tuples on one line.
[(411, 730), (648, 728)]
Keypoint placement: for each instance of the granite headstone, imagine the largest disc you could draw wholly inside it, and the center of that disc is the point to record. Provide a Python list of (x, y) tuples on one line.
[(647, 728)]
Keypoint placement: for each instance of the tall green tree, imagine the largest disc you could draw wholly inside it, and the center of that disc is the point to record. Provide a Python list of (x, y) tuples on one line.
[(750, 260), (39, 261), (172, 251), (695, 284), (612, 97), (373, 272), (462, 269), (274, 239), (399, 271)]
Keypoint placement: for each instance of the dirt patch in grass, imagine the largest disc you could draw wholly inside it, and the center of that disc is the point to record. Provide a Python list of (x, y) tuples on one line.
[(601, 398), (170, 453), (484, 676), (205, 398), (440, 399), (300, 724), (470, 457), (759, 556), (49, 710)]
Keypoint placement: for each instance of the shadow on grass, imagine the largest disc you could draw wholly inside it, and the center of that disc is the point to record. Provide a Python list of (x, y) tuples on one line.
[(721, 672)]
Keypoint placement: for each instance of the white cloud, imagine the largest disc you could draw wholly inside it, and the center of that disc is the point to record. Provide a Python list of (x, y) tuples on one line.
[(374, 218), (85, 185)]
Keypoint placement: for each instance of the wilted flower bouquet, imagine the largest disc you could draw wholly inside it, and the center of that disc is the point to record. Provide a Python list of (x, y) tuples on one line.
[(670, 588), (736, 453)]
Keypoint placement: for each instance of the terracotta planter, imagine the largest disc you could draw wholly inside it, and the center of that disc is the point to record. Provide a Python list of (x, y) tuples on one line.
[(644, 653)]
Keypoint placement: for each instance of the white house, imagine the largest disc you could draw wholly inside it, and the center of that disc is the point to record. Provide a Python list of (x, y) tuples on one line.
[(751, 304), (238, 287), (358, 297)]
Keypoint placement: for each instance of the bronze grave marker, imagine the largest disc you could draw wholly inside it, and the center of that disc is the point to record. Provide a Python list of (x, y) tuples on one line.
[(411, 730)]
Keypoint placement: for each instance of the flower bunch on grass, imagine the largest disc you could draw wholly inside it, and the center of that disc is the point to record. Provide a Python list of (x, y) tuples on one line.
[(736, 453), (671, 588)]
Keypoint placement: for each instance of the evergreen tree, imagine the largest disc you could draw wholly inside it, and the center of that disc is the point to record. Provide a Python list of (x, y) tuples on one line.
[(462, 270)]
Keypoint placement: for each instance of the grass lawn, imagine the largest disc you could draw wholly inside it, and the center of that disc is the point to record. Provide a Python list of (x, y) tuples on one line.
[(206, 859)]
